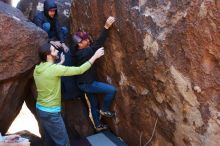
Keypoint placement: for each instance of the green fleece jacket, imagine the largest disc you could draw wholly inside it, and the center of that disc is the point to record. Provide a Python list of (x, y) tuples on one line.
[(47, 78)]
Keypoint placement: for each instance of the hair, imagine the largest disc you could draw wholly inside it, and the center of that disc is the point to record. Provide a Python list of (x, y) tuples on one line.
[(75, 45), (44, 50), (79, 36)]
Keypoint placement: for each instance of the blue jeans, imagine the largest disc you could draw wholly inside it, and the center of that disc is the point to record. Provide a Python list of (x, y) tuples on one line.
[(98, 87), (46, 27), (54, 129)]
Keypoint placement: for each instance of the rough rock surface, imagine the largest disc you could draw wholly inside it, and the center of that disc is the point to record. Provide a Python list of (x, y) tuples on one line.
[(28, 8), (164, 58), (20, 40), (76, 118)]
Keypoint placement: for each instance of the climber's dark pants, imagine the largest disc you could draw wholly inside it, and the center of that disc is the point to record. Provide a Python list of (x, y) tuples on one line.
[(98, 87)]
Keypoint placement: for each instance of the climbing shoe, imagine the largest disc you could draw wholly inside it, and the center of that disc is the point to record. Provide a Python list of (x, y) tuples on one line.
[(101, 127), (107, 113)]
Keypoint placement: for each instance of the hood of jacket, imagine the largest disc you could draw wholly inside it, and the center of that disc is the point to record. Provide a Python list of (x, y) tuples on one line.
[(41, 67), (49, 4)]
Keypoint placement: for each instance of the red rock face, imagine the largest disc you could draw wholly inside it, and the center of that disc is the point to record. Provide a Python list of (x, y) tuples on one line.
[(77, 119), (28, 8), (20, 40), (163, 57)]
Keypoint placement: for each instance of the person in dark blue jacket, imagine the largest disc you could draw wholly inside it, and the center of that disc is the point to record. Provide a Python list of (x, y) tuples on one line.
[(87, 82), (48, 21)]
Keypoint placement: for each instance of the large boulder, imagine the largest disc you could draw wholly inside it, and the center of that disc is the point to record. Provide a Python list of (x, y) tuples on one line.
[(28, 7), (20, 40), (164, 58), (76, 118)]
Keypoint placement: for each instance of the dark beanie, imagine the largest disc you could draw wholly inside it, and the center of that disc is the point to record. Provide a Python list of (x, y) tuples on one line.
[(79, 36), (44, 50)]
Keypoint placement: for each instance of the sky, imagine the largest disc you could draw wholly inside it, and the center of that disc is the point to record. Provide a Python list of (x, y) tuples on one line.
[(25, 116), (14, 2)]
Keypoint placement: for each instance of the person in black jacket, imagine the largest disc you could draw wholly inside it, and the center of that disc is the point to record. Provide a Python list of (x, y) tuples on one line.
[(87, 82), (48, 21)]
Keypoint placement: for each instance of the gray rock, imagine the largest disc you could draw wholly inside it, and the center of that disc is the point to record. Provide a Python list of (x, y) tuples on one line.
[(20, 40)]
